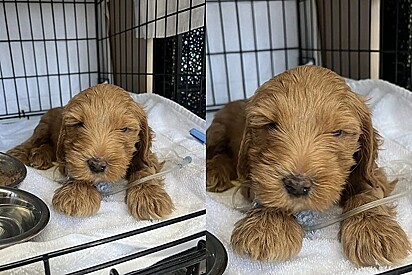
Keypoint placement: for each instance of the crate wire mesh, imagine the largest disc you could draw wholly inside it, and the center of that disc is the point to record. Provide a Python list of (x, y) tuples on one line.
[(51, 50), (347, 36), (158, 22), (45, 57), (248, 42), (189, 260)]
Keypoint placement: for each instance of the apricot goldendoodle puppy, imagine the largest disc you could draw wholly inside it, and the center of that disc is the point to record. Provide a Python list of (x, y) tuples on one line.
[(304, 140), (102, 134)]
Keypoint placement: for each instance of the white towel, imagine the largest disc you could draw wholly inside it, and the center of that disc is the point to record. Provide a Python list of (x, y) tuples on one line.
[(321, 252), (171, 124)]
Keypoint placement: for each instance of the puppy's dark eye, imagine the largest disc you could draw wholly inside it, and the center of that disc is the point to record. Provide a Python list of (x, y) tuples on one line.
[(338, 133), (125, 130), (79, 125), (272, 126)]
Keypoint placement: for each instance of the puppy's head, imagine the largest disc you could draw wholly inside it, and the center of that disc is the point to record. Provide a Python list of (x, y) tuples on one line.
[(305, 133), (103, 128)]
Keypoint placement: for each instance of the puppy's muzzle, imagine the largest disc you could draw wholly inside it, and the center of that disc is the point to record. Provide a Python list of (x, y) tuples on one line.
[(97, 165), (297, 185)]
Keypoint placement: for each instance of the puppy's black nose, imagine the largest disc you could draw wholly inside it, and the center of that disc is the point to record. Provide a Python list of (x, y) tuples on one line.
[(97, 165), (297, 185)]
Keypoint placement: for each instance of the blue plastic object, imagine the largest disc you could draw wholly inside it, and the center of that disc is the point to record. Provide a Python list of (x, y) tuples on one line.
[(198, 135)]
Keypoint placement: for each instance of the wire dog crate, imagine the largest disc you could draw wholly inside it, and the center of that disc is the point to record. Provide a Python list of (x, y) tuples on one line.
[(52, 49), (201, 259), (248, 42)]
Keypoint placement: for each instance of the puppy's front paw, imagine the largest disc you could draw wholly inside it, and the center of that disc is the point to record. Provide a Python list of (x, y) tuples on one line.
[(42, 157), (77, 199), (267, 234), (374, 238), (219, 172), (148, 201)]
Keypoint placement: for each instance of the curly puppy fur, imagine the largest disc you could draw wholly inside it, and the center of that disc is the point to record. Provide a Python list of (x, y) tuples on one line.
[(101, 135), (304, 141)]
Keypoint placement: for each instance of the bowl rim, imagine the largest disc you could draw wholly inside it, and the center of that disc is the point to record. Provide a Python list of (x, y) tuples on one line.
[(23, 170), (37, 228)]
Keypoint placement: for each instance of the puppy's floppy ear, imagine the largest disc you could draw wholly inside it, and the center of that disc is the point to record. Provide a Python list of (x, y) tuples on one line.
[(246, 154), (144, 144), (60, 155), (243, 164), (243, 157), (369, 142)]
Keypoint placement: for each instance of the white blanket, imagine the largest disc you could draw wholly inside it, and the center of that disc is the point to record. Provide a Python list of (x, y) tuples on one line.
[(321, 252), (171, 124)]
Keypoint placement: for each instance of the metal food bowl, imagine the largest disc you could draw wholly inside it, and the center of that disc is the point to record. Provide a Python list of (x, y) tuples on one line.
[(12, 171), (22, 216)]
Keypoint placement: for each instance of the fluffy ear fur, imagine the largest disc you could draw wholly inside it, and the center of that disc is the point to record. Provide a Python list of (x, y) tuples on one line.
[(366, 170), (243, 167), (243, 164), (243, 160), (60, 155), (144, 144), (369, 142)]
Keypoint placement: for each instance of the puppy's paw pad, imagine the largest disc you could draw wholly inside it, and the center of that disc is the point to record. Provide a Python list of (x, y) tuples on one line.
[(147, 201), (267, 235), (76, 199), (370, 240)]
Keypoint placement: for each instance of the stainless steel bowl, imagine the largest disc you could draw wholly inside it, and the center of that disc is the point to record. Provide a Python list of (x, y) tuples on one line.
[(22, 216), (12, 171)]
